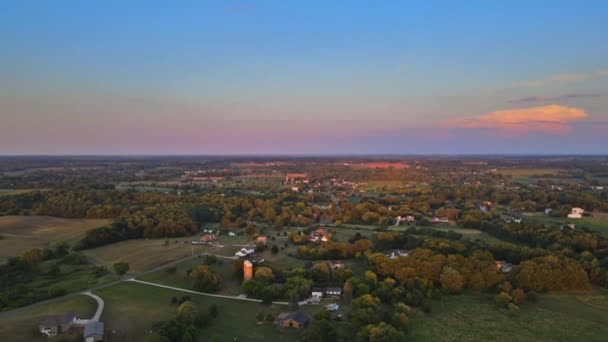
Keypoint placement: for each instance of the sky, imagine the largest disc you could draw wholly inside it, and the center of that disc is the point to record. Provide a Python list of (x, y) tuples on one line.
[(303, 77)]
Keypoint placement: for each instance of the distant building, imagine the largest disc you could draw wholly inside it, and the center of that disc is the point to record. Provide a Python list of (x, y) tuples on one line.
[(208, 238), (320, 235), (291, 178), (295, 189), (261, 240), (244, 252), (576, 213), (295, 320), (548, 211), (436, 220), (396, 253), (247, 270), (504, 266)]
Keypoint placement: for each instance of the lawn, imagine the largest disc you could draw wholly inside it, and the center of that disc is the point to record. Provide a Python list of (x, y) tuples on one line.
[(475, 318), (21, 233), (132, 309), (598, 224), (23, 326), (230, 284)]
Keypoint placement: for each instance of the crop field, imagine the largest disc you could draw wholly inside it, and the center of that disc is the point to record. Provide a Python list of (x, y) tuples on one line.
[(475, 318), (23, 325), (21, 233), (132, 309)]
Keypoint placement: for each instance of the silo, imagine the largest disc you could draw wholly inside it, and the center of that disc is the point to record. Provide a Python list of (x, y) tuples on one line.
[(247, 270)]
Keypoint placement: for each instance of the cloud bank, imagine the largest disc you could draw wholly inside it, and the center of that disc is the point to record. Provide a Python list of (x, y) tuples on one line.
[(532, 99), (551, 119)]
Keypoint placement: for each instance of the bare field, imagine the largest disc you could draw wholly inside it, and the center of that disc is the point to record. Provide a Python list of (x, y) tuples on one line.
[(21, 233)]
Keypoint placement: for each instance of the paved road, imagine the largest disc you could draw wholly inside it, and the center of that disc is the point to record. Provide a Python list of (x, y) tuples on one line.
[(100, 305)]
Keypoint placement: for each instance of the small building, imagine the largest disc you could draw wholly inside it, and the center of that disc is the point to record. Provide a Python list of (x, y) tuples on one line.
[(208, 238), (336, 264), (576, 213), (261, 240), (295, 189), (93, 332), (436, 220), (320, 235), (504, 266), (297, 320), (548, 211), (396, 253), (247, 270), (244, 252)]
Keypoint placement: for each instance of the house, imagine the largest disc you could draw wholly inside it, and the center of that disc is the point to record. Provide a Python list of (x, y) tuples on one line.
[(261, 240), (297, 320), (333, 291), (208, 238), (548, 211), (439, 220), (320, 235), (54, 325), (295, 189), (409, 218), (395, 253), (231, 234), (504, 266), (93, 332), (317, 292), (244, 252), (576, 213), (336, 264)]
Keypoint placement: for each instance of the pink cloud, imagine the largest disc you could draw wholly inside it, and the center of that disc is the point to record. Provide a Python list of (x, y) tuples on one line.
[(552, 119)]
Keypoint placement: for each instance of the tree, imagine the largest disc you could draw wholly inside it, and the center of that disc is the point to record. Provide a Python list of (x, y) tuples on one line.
[(451, 280), (380, 333), (121, 268), (205, 279), (260, 316), (56, 291), (264, 274), (187, 312), (213, 310), (274, 249), (348, 292)]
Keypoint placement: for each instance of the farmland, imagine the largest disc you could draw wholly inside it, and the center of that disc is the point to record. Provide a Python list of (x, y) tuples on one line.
[(21, 233), (475, 318)]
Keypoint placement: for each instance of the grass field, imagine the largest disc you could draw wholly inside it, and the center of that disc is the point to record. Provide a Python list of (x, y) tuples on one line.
[(6, 192), (21, 233), (475, 318), (598, 224), (522, 173), (132, 309), (23, 326)]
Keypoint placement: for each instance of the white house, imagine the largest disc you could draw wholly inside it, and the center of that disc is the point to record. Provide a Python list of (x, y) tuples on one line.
[(244, 252), (576, 213)]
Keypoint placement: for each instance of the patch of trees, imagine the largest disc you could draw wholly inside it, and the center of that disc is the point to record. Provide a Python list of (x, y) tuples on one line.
[(187, 324)]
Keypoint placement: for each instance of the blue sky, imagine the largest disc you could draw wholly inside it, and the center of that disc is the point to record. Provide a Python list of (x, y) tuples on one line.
[(215, 77)]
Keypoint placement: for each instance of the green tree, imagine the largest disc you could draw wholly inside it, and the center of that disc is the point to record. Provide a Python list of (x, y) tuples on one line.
[(121, 268)]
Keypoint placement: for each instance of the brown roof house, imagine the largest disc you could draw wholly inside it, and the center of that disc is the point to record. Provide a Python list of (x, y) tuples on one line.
[(296, 319)]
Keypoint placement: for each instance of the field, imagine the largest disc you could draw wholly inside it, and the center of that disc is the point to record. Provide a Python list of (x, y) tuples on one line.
[(598, 224), (523, 173), (6, 192), (21, 233), (132, 309), (475, 318), (23, 326)]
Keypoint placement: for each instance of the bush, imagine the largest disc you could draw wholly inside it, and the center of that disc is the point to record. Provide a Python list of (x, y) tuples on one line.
[(56, 291), (531, 296), (260, 316), (269, 317), (213, 310), (274, 249), (100, 271)]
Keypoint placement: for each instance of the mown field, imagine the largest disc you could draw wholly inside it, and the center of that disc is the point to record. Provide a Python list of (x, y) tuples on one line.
[(21, 233), (23, 325), (475, 318)]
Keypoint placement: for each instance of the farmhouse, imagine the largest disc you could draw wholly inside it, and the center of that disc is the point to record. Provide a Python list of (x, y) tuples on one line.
[(54, 325), (330, 291), (439, 220), (295, 319)]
